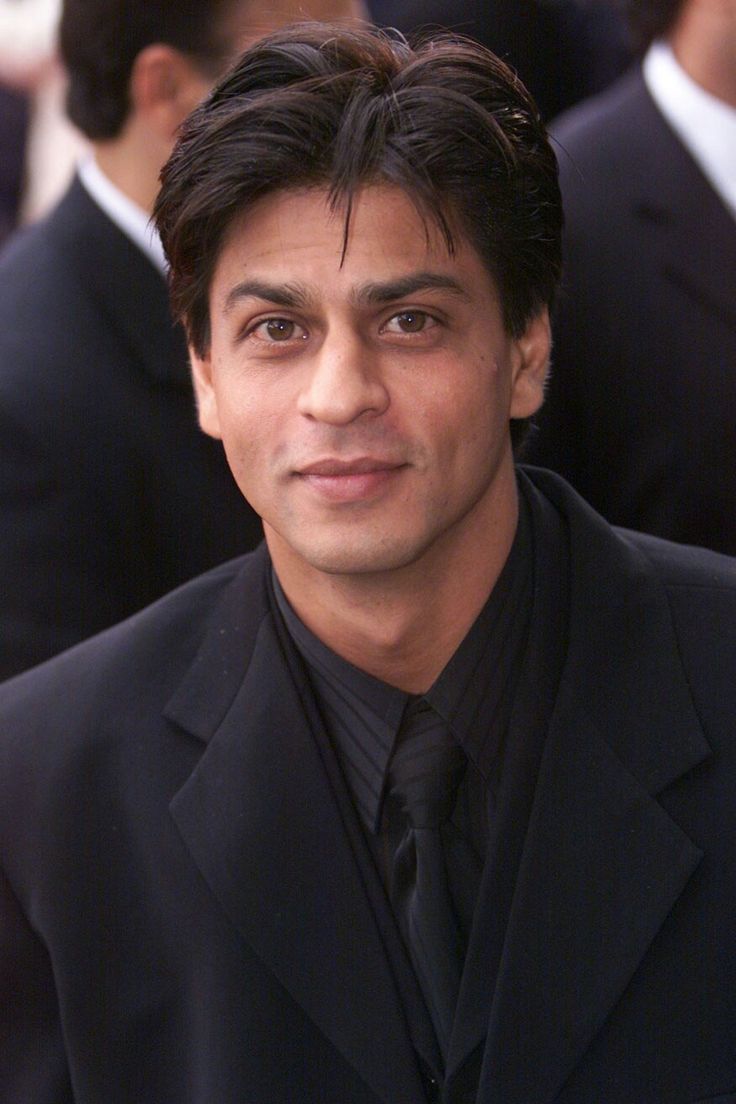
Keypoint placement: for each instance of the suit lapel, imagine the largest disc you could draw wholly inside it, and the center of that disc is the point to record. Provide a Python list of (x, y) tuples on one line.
[(262, 825), (690, 228), (603, 864)]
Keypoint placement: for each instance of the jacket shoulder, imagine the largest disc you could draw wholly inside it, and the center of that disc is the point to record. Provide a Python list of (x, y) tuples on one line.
[(51, 328), (604, 144), (686, 567), (609, 114), (700, 587), (42, 247), (129, 669)]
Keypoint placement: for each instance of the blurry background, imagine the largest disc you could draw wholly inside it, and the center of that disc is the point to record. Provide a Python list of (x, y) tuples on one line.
[(563, 50)]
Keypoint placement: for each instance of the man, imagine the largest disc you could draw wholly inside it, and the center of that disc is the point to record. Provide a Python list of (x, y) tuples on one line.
[(109, 493), (429, 798), (639, 415)]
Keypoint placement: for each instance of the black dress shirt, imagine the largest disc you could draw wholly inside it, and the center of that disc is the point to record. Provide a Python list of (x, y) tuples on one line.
[(473, 695), (496, 694)]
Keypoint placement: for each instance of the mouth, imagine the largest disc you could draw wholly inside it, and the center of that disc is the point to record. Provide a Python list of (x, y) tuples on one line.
[(334, 468), (350, 480)]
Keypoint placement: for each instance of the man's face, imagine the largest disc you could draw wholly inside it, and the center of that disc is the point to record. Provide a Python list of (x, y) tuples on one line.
[(363, 403)]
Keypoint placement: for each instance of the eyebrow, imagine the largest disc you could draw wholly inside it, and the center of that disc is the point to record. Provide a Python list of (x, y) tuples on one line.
[(390, 290), (283, 295), (374, 293)]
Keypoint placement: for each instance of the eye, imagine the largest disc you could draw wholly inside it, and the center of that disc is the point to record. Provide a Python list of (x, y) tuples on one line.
[(409, 322), (277, 330)]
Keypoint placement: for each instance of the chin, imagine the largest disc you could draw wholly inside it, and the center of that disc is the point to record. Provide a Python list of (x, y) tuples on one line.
[(361, 558)]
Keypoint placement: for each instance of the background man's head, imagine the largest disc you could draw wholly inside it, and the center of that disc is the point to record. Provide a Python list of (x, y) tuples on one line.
[(136, 68), (448, 123), (101, 40), (700, 33)]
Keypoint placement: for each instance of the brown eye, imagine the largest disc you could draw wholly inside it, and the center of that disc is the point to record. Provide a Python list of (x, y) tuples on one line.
[(411, 321), (279, 329)]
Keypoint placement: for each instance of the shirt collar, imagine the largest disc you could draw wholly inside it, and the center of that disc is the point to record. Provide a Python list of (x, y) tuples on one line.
[(473, 694), (134, 222), (384, 701), (705, 125)]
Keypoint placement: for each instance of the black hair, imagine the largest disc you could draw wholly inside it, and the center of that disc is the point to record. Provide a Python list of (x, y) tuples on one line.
[(322, 106)]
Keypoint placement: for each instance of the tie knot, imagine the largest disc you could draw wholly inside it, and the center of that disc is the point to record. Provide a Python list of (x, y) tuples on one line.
[(426, 767)]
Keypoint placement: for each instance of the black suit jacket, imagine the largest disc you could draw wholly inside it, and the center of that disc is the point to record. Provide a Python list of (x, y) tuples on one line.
[(185, 920), (640, 408), (109, 493)]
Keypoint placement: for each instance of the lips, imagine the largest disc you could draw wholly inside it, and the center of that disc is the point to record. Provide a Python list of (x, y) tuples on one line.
[(350, 481), (333, 468)]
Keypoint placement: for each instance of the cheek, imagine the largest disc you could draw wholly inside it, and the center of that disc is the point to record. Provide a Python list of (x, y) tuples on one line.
[(478, 429), (471, 408), (253, 436), (240, 429)]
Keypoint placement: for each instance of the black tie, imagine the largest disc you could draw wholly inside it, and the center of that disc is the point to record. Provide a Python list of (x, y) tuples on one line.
[(423, 777)]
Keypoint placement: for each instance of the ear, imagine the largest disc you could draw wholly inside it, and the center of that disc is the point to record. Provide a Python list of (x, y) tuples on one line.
[(531, 364), (207, 409), (165, 86)]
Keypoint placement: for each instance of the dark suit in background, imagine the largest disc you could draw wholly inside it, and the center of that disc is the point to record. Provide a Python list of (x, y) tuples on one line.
[(184, 867), (14, 116), (563, 51), (640, 408), (109, 493)]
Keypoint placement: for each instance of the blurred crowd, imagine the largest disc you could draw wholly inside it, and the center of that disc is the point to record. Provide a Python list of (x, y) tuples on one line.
[(110, 495)]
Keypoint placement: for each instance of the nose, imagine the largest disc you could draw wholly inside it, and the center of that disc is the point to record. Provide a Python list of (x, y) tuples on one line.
[(344, 382)]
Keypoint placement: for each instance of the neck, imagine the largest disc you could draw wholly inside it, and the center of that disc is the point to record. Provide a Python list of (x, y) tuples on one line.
[(403, 626), (131, 167), (704, 42)]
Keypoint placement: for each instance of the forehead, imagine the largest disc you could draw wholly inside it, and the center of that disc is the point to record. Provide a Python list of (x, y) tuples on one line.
[(298, 235)]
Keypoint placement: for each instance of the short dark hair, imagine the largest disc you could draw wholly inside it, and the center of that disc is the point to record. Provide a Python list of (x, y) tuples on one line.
[(650, 19), (322, 106), (100, 40)]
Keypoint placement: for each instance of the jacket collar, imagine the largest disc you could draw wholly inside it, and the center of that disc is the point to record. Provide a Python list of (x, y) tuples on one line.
[(671, 203), (603, 864), (261, 822)]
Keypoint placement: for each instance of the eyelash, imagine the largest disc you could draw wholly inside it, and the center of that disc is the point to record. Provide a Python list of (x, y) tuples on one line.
[(429, 322), (252, 330)]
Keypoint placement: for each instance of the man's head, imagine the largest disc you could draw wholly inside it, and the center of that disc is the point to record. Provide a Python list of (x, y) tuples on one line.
[(100, 41), (136, 68), (447, 123), (118, 53), (364, 241), (701, 35)]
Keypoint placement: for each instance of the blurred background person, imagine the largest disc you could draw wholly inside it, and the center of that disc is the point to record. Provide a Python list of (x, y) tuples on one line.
[(563, 50), (38, 145), (109, 493), (640, 413)]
